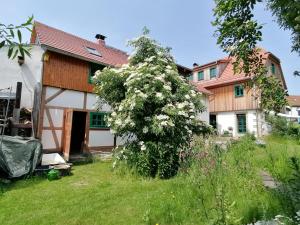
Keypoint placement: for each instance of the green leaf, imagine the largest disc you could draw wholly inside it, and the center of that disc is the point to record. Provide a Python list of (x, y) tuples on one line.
[(16, 53), (27, 52), (19, 36), (12, 33), (2, 44), (10, 51), (21, 49)]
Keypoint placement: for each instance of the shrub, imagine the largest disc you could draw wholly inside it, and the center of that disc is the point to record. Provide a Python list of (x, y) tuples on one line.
[(282, 127), (153, 105)]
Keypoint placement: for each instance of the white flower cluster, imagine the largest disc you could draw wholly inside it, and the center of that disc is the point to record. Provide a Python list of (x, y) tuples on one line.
[(142, 146)]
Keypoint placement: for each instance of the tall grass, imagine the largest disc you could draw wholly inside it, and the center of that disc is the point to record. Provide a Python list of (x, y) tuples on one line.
[(224, 186)]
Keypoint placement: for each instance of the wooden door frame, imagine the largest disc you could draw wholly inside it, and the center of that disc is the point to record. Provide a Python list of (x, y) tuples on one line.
[(86, 131)]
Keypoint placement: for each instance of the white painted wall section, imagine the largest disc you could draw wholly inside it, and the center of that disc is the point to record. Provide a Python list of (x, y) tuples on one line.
[(68, 98), (57, 116), (30, 73), (100, 138), (47, 140), (204, 116), (226, 120)]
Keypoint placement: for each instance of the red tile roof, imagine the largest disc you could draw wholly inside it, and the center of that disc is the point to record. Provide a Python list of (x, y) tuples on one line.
[(294, 100), (202, 89), (58, 40), (227, 76)]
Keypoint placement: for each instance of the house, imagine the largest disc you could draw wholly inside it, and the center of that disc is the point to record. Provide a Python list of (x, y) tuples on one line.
[(233, 106), (58, 86), (293, 110)]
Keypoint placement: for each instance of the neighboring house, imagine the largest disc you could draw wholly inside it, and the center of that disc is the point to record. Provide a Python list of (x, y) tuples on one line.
[(58, 86), (293, 110), (233, 107), (186, 72)]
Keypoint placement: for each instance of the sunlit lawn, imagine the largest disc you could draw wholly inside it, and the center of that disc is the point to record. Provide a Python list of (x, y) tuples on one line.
[(95, 194)]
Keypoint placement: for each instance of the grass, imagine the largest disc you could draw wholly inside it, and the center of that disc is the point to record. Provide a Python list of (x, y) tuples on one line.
[(95, 194)]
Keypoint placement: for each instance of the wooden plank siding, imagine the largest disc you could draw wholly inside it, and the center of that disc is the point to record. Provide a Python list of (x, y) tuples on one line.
[(66, 72), (223, 100)]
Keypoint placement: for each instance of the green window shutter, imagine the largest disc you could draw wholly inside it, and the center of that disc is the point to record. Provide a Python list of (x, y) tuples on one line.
[(213, 72), (239, 91), (200, 75), (273, 68), (241, 122), (98, 120), (191, 77)]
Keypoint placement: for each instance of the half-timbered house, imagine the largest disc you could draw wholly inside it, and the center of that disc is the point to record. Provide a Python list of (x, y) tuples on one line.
[(233, 107)]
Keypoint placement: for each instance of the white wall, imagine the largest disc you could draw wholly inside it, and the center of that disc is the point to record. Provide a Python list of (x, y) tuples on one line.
[(229, 119), (294, 111), (226, 120), (204, 116), (29, 73), (100, 138)]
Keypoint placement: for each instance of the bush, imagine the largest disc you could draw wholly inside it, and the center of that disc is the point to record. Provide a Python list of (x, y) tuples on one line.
[(153, 105), (280, 126)]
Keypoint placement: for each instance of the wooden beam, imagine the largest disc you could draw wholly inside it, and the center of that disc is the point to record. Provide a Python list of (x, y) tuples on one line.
[(54, 95), (84, 100), (41, 113)]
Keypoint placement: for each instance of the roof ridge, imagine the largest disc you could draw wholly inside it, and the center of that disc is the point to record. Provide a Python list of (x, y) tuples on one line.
[(75, 36)]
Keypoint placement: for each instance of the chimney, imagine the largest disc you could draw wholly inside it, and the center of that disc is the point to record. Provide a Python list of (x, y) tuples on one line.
[(100, 38), (195, 65)]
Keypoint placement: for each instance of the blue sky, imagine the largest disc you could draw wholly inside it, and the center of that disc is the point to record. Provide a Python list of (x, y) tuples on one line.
[(183, 25)]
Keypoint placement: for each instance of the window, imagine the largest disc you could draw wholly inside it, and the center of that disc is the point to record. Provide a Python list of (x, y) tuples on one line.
[(98, 120), (241, 122), (239, 91), (93, 51), (213, 72), (92, 70), (200, 75), (191, 77), (273, 68)]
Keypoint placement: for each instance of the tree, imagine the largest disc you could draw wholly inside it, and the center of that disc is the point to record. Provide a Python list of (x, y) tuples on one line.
[(238, 34), (11, 36), (153, 106)]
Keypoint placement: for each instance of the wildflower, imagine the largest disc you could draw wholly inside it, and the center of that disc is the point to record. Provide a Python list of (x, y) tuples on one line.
[(145, 130)]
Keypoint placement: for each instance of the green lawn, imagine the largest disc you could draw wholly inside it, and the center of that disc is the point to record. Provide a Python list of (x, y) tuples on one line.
[(95, 194)]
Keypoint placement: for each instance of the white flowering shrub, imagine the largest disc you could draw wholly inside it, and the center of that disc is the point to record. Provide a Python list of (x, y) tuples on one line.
[(152, 104)]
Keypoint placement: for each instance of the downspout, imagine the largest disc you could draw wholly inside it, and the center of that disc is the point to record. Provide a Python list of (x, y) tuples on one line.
[(40, 111)]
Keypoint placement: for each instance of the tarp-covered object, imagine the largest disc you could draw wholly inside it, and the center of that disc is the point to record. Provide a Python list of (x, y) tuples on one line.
[(19, 156)]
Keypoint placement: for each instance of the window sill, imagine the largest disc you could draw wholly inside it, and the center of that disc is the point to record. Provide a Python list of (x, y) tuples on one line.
[(99, 128)]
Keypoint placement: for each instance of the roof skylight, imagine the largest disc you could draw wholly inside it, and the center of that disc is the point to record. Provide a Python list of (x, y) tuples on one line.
[(93, 51)]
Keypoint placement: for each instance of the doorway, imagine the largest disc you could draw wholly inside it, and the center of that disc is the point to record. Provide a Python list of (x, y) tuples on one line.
[(77, 132), (213, 120)]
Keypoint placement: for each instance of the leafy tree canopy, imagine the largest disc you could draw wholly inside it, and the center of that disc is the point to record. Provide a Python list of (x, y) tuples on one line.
[(11, 36), (238, 34), (152, 105)]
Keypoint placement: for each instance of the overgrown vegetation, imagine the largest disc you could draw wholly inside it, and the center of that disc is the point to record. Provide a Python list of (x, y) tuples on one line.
[(153, 106), (282, 127), (215, 186), (238, 34)]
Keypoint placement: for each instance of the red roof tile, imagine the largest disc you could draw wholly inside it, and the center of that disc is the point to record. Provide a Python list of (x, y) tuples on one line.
[(201, 89), (228, 76), (294, 100), (55, 39)]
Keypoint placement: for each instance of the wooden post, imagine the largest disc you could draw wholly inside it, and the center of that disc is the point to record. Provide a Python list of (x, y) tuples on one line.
[(16, 111)]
